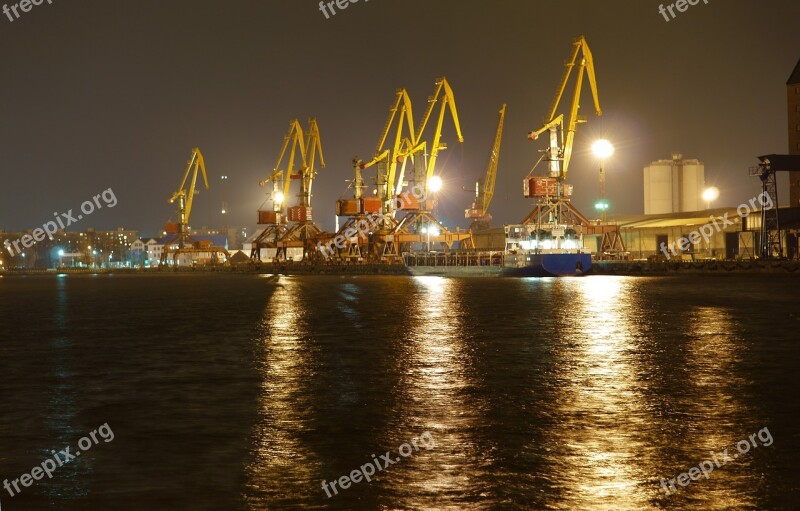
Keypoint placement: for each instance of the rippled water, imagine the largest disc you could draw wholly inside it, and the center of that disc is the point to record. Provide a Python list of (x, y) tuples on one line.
[(229, 392)]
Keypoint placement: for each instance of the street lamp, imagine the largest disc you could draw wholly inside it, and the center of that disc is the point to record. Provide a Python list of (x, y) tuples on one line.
[(602, 149), (710, 194)]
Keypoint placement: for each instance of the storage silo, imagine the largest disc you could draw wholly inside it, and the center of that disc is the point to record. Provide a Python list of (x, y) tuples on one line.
[(673, 186)]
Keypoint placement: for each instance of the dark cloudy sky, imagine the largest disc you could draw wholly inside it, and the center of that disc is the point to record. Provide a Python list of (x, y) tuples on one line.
[(115, 93)]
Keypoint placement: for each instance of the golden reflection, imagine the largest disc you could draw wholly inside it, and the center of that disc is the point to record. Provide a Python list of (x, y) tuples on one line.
[(431, 394), (282, 466), (714, 355), (601, 458)]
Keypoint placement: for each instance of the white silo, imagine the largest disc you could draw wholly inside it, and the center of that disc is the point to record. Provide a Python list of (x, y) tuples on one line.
[(673, 186)]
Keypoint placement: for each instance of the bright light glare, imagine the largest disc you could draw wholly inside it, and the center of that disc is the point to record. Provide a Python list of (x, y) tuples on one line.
[(602, 149), (433, 231), (710, 194), (435, 184), (278, 197)]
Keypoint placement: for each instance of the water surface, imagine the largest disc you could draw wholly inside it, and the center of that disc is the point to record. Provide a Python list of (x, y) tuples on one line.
[(228, 392)]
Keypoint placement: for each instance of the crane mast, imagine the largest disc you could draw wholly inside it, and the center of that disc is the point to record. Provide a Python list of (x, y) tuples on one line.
[(485, 191), (313, 145)]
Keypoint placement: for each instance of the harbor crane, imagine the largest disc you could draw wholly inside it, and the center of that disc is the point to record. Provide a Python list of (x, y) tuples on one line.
[(401, 117), (554, 222), (419, 225), (275, 220), (484, 191), (377, 211), (185, 199), (559, 152), (304, 232)]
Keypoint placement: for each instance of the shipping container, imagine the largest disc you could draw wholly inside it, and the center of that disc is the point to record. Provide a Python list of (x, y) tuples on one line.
[(539, 186), (407, 201), (268, 217), (371, 205), (171, 227), (299, 214), (347, 207)]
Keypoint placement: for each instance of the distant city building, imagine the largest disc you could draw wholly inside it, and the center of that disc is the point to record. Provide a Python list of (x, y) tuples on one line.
[(673, 186), (146, 252), (98, 249), (793, 103), (110, 248)]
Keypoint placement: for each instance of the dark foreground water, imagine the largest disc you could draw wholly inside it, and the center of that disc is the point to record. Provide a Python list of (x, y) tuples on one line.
[(226, 392)]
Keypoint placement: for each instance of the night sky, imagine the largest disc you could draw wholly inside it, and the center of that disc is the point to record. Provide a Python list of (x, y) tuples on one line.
[(98, 94)]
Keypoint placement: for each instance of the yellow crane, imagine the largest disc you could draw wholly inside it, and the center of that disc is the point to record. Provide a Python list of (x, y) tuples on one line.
[(303, 233), (281, 177), (185, 198), (357, 209), (313, 145), (484, 192), (275, 220), (419, 225), (295, 146), (553, 213), (448, 102), (401, 116), (559, 153)]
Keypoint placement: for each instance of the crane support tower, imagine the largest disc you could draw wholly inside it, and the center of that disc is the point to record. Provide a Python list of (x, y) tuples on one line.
[(771, 242)]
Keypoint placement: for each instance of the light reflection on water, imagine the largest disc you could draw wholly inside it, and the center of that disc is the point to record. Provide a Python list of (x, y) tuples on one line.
[(430, 397), (282, 464), (540, 394), (598, 453)]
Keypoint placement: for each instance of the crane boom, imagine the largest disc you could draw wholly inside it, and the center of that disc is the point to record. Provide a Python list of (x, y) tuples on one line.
[(485, 198), (400, 115), (448, 99), (184, 196), (559, 153), (282, 177), (312, 146)]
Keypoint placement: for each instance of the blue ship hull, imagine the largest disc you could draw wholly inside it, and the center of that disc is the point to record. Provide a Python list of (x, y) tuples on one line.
[(547, 265)]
